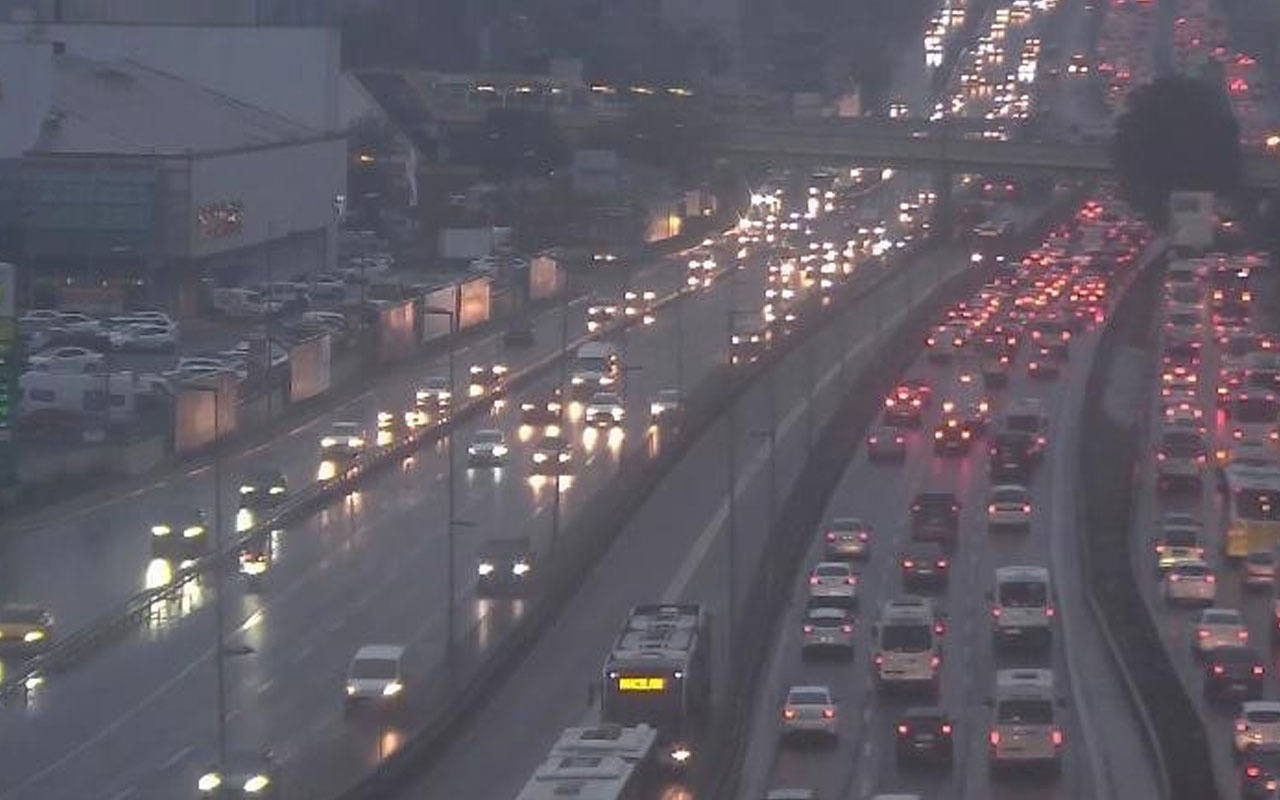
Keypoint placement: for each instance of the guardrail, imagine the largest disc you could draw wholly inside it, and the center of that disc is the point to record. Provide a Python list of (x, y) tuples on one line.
[(137, 609), (596, 529), (803, 509), (1175, 733)]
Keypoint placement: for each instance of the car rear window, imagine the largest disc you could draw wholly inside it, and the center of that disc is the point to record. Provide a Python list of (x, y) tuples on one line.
[(1023, 594), (1025, 712), (807, 698), (1265, 717), (906, 638)]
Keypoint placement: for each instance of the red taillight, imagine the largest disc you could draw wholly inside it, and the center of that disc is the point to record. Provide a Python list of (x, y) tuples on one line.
[(935, 662), (995, 612), (1258, 670), (1218, 669), (946, 729), (851, 580), (788, 713), (1026, 508), (846, 628), (829, 713), (863, 536), (831, 537), (903, 730), (813, 580), (1049, 611), (942, 564), (1252, 771), (908, 563), (1242, 635), (808, 629), (1057, 737), (1202, 633), (1210, 579), (878, 659), (994, 738), (1241, 727)]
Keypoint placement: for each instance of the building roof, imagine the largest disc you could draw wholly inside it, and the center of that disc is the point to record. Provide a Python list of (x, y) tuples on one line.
[(124, 108)]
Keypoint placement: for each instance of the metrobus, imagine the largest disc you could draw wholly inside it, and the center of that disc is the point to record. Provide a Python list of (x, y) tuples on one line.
[(1252, 511), (603, 762), (658, 673)]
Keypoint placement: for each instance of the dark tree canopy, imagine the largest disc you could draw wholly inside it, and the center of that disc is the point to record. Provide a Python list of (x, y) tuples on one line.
[(679, 136), (1178, 132)]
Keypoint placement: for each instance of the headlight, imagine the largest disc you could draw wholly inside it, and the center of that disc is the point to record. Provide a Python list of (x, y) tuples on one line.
[(355, 441), (576, 380), (248, 489), (244, 520), (564, 456), (384, 417), (606, 380), (485, 569), (328, 471), (256, 784), (192, 531), (538, 458), (681, 754), (473, 450), (520, 568), (277, 490), (617, 413), (328, 441), (32, 636), (351, 688), (209, 781), (160, 530), (654, 409), (392, 689), (499, 449)]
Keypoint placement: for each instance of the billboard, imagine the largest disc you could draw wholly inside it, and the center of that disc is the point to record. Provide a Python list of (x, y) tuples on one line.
[(396, 338), (436, 325), (194, 409), (309, 368), (473, 302)]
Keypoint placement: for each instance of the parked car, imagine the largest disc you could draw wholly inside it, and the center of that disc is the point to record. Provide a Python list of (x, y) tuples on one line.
[(67, 359)]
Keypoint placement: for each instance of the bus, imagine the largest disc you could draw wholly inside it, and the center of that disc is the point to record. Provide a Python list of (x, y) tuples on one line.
[(603, 762), (658, 673), (1252, 511)]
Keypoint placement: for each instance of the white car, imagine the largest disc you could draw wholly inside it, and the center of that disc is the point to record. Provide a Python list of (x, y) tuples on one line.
[(1009, 506), (1219, 627), (1257, 726), (604, 410), (145, 336), (1190, 582), (39, 316), (76, 322), (809, 710), (833, 581), (488, 448), (68, 359), (827, 629), (1024, 727), (1260, 569), (848, 537), (375, 675)]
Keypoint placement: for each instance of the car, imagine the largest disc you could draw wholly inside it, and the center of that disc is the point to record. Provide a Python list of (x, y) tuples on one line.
[(540, 414), (344, 439), (935, 516), (906, 651), (827, 629), (1181, 458), (552, 455), (25, 629), (924, 736), (604, 410), (145, 337), (431, 401), (638, 304), (1260, 774), (392, 428), (1218, 627), (1190, 582), (1022, 610), (519, 332), (667, 408), (242, 774), (266, 486), (833, 582), (809, 711), (1043, 364), (903, 407), (374, 676), (848, 538), (1012, 455), (1009, 506), (924, 564), (1257, 727), (181, 534), (1025, 730), (602, 311), (953, 436), (790, 794), (68, 359), (504, 566), (1235, 672), (1260, 569), (486, 380), (885, 443), (995, 371), (488, 448)]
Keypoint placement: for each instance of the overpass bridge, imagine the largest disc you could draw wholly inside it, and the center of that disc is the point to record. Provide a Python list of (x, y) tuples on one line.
[(936, 147)]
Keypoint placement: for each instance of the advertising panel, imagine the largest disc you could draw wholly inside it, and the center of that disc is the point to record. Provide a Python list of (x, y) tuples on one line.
[(309, 368)]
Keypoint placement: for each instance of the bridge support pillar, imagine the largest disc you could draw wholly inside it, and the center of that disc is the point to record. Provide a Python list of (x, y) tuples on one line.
[(944, 206)]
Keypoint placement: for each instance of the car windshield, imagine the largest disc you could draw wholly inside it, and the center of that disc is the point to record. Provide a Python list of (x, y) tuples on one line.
[(906, 638), (1025, 712), (807, 698), (1023, 594), (831, 571), (374, 669)]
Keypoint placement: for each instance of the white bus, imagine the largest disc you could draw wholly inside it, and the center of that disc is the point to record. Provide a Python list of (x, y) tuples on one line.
[(605, 762)]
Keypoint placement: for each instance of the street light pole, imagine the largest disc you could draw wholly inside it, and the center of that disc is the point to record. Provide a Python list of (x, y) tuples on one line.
[(564, 399), (219, 580), (449, 505)]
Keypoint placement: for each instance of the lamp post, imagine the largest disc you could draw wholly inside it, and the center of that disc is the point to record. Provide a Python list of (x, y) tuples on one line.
[(453, 522), (564, 400)]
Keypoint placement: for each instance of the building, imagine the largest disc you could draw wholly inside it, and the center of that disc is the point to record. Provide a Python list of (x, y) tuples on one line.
[(125, 182)]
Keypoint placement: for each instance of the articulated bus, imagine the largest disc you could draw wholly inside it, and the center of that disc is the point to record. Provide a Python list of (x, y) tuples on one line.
[(1252, 511), (658, 673), (604, 762)]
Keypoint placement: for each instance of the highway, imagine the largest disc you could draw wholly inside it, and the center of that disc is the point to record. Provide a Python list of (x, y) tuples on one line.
[(353, 573), (1103, 755), (674, 549), (1134, 382)]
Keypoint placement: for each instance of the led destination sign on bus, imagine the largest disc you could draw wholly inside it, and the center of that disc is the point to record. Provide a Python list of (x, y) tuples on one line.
[(643, 684)]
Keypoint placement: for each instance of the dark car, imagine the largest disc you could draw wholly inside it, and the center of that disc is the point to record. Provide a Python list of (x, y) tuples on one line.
[(935, 517), (1234, 673), (1043, 364), (924, 565), (1260, 775), (953, 436), (241, 775), (1012, 457), (265, 488), (504, 566), (885, 443), (180, 534), (924, 736), (538, 413)]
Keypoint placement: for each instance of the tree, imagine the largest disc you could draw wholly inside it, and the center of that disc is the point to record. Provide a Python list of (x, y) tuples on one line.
[(1176, 133), (676, 135)]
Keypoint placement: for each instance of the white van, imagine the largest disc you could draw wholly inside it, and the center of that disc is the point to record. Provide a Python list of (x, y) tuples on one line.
[(79, 393), (906, 645), (1025, 730), (1022, 607)]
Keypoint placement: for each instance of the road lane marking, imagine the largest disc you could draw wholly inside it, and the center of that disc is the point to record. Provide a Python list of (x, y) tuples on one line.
[(177, 757)]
